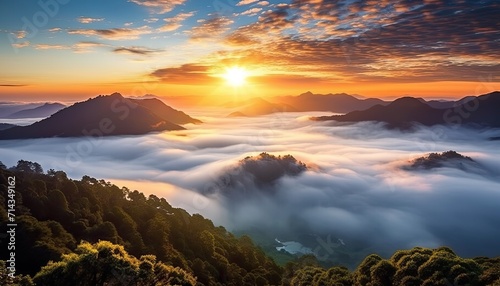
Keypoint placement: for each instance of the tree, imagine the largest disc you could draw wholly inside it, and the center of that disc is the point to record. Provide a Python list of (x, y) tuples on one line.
[(307, 276), (338, 276), (104, 263), (363, 274), (28, 167)]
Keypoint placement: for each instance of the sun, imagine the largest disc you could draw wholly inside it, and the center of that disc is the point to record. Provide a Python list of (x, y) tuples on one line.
[(236, 76)]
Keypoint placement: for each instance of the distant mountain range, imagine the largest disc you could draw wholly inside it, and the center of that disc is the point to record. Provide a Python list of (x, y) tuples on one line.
[(404, 112), (258, 106), (38, 112), (15, 110), (104, 116), (338, 103)]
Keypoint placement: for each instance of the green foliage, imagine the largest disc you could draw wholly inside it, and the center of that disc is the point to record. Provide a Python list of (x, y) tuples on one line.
[(435, 267), (363, 274), (414, 267), (338, 276), (491, 270), (17, 280), (28, 167), (56, 212), (105, 263)]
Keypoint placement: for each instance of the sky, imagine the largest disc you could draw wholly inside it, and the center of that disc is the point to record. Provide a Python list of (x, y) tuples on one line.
[(69, 49)]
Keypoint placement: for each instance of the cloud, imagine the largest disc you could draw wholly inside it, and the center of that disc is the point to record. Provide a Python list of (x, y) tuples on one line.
[(354, 188), (114, 34), (159, 6), (185, 74), (142, 51), (20, 34), (210, 29), (246, 2), (88, 20), (23, 44), (50, 47), (251, 11), (175, 22), (371, 41), (53, 30), (80, 47), (86, 46)]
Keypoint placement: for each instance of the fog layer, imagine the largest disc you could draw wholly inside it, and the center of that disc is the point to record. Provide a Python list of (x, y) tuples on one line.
[(355, 187)]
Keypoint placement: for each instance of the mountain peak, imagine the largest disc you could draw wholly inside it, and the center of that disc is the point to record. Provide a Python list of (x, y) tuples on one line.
[(115, 94), (408, 102), (104, 115), (308, 93)]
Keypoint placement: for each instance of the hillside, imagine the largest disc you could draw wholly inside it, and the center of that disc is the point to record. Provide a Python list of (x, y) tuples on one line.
[(103, 116), (165, 112), (99, 234), (4, 126)]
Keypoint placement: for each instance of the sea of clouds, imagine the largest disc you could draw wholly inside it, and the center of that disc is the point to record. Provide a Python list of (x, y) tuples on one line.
[(354, 188)]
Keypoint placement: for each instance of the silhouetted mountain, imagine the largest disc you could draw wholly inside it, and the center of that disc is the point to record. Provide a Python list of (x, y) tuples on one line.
[(236, 114), (442, 104), (4, 126), (403, 112), (42, 111), (339, 103), (165, 112), (100, 116), (258, 106), (7, 108)]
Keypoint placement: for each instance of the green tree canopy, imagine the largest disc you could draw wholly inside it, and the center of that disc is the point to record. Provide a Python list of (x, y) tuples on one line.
[(104, 263)]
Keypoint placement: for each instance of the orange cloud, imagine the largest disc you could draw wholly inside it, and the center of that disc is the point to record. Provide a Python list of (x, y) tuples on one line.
[(159, 6), (211, 28), (192, 74), (88, 20), (174, 23)]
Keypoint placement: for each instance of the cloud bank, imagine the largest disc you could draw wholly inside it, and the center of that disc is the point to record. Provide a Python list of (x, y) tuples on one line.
[(354, 188)]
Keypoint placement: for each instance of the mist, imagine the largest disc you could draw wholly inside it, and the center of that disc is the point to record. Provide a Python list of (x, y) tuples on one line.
[(355, 187)]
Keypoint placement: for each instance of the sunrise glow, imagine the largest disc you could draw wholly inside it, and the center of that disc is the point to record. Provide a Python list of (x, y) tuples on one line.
[(235, 76), (177, 48), (250, 142)]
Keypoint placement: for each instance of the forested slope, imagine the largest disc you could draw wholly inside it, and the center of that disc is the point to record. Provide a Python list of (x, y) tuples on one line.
[(99, 234)]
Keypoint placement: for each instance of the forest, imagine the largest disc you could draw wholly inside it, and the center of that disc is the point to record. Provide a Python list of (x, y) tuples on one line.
[(91, 232)]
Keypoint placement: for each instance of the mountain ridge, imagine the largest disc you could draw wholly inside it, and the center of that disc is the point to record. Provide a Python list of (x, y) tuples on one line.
[(404, 112), (44, 110), (104, 115)]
